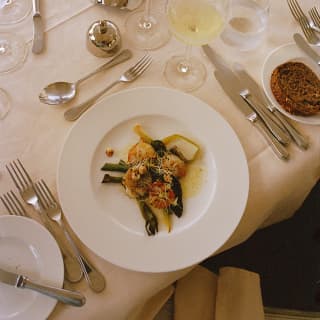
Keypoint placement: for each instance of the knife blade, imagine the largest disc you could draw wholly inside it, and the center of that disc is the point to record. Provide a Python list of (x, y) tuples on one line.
[(38, 32), (254, 87), (227, 85), (304, 46), (19, 281), (245, 93)]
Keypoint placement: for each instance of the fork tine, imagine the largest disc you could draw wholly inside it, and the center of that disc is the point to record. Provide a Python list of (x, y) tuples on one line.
[(41, 195), (315, 16), (19, 175), (143, 67), (140, 62), (13, 204)]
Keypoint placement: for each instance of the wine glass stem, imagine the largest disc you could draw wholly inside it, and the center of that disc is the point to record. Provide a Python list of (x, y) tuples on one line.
[(184, 65), (145, 22)]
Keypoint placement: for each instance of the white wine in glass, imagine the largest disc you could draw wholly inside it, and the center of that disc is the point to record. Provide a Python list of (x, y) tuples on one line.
[(194, 22)]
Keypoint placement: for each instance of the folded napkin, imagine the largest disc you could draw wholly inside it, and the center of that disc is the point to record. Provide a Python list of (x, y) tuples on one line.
[(233, 294)]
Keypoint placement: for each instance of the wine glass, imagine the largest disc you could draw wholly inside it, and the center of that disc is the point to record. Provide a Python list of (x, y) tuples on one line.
[(194, 22), (14, 11), (13, 48), (146, 30)]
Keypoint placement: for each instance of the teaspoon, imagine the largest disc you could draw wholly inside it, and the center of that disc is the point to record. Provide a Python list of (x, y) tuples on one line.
[(62, 92)]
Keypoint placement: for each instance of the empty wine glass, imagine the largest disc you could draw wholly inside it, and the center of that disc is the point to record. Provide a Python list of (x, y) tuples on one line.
[(147, 30), (14, 11), (5, 104), (194, 22)]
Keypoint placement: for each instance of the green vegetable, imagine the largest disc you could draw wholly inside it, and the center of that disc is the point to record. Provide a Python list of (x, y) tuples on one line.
[(107, 178), (121, 166), (150, 218)]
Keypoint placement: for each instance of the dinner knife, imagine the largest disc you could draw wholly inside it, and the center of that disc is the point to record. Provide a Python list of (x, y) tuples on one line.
[(19, 281), (245, 93), (38, 32), (227, 85), (254, 87), (303, 45)]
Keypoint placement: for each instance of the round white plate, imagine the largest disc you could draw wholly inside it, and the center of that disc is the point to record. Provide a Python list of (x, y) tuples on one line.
[(27, 248), (285, 53), (109, 222)]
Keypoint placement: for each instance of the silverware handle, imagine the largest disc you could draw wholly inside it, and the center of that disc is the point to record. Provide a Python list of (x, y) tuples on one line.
[(66, 296), (276, 146), (73, 270), (36, 6), (95, 279), (121, 57), (280, 135), (296, 136), (75, 112)]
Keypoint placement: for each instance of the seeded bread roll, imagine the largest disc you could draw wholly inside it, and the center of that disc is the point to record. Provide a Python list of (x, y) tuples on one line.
[(296, 88)]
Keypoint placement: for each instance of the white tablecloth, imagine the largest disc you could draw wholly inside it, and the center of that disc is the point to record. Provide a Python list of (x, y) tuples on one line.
[(34, 133)]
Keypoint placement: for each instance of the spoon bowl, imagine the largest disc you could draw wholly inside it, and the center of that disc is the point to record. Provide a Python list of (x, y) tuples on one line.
[(58, 92)]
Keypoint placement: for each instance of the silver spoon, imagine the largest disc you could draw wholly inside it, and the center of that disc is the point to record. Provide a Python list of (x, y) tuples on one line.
[(62, 92)]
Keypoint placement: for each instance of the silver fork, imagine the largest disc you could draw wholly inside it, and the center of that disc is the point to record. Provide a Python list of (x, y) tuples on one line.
[(53, 210), (13, 204), (299, 15), (24, 184), (130, 75), (315, 18)]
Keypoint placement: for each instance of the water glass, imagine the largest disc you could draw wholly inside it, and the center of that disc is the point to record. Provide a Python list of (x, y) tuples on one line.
[(247, 25)]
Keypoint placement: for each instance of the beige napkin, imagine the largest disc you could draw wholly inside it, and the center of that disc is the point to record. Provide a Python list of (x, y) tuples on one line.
[(234, 294)]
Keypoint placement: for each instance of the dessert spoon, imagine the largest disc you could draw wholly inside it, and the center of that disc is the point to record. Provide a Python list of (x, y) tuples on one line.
[(62, 92)]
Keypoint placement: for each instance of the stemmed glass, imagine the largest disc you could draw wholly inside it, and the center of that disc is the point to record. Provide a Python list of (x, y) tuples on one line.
[(13, 49), (194, 22), (147, 30)]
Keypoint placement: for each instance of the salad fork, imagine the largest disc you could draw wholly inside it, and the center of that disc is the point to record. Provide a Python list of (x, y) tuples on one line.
[(315, 17), (13, 204), (130, 75), (25, 186), (53, 210), (304, 22)]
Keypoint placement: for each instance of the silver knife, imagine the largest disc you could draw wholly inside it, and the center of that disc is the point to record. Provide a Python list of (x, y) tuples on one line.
[(38, 32), (245, 93), (19, 281), (254, 87), (227, 84), (303, 45)]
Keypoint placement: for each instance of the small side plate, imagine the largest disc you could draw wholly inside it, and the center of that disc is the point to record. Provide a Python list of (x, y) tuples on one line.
[(285, 53)]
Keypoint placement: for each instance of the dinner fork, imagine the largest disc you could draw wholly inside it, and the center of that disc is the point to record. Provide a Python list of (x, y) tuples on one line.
[(13, 204), (130, 75), (25, 186), (53, 210), (303, 21), (315, 17)]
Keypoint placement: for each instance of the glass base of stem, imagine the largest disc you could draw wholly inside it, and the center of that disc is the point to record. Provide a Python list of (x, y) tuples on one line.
[(186, 75), (147, 34), (5, 105)]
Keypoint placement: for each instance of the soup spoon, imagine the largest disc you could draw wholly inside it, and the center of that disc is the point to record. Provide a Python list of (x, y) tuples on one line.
[(62, 92)]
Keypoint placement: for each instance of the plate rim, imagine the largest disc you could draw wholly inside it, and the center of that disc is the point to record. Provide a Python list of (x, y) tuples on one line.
[(266, 85), (46, 304), (242, 163)]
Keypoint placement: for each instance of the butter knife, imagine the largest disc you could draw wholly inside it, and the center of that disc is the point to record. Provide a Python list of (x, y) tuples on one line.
[(19, 281), (38, 32), (245, 93), (304, 46), (254, 87), (227, 84)]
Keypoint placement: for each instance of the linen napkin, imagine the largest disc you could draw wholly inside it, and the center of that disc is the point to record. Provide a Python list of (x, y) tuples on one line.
[(233, 294)]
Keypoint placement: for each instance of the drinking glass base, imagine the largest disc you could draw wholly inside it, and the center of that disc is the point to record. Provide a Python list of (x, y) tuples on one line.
[(5, 105), (186, 75), (146, 34), (13, 52)]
